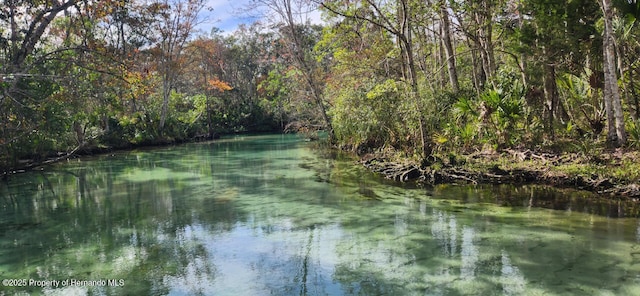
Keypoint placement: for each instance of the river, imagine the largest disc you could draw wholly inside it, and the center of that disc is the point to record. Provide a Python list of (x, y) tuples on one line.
[(268, 215)]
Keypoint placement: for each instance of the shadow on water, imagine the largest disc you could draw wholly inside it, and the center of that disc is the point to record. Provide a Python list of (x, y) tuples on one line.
[(538, 196)]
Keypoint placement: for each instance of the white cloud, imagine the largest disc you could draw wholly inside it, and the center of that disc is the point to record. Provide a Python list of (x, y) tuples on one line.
[(227, 15)]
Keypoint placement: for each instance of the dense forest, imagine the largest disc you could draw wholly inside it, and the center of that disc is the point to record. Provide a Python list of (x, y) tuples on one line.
[(412, 78)]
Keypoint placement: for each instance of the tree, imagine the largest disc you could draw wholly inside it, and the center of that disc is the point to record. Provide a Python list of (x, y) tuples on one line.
[(448, 46), (176, 23), (26, 80), (628, 47), (365, 84), (476, 19), (290, 14), (564, 33), (615, 118), (400, 25), (22, 40)]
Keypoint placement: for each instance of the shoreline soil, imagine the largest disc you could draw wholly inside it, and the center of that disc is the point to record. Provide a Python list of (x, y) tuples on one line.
[(611, 175)]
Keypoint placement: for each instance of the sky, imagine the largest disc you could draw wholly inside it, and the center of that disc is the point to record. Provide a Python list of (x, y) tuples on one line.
[(227, 15)]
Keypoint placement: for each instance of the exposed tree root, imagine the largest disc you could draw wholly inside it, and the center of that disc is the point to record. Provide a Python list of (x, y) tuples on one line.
[(406, 172)]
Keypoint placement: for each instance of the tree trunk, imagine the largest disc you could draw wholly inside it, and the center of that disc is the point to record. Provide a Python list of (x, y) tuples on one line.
[(523, 57), (166, 94), (615, 117), (448, 47), (484, 35), (608, 105), (478, 77), (634, 95), (550, 95), (440, 59)]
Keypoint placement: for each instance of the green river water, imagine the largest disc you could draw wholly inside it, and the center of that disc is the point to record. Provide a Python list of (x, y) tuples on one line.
[(268, 215)]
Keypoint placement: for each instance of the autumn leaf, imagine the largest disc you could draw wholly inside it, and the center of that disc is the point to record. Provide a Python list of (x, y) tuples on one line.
[(217, 84)]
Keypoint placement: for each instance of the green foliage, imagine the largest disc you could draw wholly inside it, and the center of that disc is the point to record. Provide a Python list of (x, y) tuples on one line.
[(586, 147), (628, 8), (435, 109), (274, 93), (504, 108), (368, 115), (187, 111), (464, 135), (574, 89), (633, 132), (465, 109), (35, 121), (580, 100)]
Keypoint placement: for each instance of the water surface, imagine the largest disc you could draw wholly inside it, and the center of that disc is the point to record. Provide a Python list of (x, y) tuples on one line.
[(267, 215)]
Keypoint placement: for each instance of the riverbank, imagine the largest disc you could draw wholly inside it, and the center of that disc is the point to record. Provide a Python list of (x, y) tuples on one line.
[(38, 161), (615, 173)]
